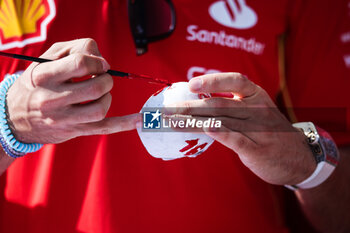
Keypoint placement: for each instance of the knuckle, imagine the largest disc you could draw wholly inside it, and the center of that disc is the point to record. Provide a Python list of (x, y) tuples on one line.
[(43, 106), (38, 76), (49, 121), (185, 108), (104, 129), (237, 76), (109, 82), (89, 42), (241, 142), (226, 137), (43, 103), (216, 79), (243, 77), (55, 51), (56, 46), (108, 101), (80, 62), (100, 112), (90, 46), (96, 90)]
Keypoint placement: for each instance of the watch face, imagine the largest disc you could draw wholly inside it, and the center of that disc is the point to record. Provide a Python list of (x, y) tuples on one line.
[(318, 152), (320, 142), (324, 150), (330, 150)]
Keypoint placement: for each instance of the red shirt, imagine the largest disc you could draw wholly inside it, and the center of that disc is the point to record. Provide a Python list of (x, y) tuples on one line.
[(110, 183)]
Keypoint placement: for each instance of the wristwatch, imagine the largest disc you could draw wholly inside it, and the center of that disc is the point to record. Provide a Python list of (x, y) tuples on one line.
[(325, 153)]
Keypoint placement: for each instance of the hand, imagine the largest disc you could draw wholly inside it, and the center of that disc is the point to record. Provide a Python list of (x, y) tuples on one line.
[(44, 105), (263, 138)]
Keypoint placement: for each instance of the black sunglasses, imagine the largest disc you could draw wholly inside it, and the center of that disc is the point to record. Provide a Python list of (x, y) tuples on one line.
[(150, 21)]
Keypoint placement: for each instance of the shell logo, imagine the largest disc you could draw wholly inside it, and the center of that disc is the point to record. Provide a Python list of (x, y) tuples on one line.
[(24, 22)]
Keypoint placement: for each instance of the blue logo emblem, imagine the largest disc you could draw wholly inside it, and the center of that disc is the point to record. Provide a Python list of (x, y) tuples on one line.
[(152, 120)]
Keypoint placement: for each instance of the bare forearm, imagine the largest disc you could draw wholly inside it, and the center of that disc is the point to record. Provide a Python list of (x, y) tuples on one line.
[(5, 161), (328, 206)]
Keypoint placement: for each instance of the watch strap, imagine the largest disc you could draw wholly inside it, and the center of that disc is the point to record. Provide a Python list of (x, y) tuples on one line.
[(321, 173), (325, 153)]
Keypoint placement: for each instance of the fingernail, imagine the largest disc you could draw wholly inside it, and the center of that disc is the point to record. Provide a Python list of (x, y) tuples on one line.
[(196, 84)]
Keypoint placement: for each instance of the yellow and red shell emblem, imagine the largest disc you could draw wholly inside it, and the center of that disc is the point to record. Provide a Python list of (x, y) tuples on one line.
[(24, 22)]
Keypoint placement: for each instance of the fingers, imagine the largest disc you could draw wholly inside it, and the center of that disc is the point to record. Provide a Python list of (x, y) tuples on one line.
[(249, 126), (91, 112), (211, 107), (74, 65), (90, 89), (58, 50), (237, 141), (45, 105), (75, 58), (223, 82), (111, 125)]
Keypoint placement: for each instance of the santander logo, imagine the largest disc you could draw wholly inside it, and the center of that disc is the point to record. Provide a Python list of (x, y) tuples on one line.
[(233, 13)]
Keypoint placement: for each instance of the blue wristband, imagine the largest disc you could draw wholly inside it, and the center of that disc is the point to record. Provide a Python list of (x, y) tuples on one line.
[(9, 143)]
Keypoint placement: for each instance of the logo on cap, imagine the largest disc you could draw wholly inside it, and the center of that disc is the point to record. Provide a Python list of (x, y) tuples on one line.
[(233, 13), (24, 22)]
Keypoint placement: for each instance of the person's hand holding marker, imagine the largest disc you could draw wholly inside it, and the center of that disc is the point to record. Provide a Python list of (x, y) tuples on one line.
[(44, 106), (252, 126)]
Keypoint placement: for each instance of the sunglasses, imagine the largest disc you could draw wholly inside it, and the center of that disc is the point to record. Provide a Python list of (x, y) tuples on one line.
[(150, 21)]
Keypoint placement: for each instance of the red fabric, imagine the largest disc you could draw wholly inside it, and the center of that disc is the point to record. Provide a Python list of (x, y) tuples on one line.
[(110, 183), (318, 77)]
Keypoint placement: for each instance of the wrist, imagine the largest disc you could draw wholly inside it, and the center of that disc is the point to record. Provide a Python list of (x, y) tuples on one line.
[(325, 154), (9, 143), (306, 163)]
